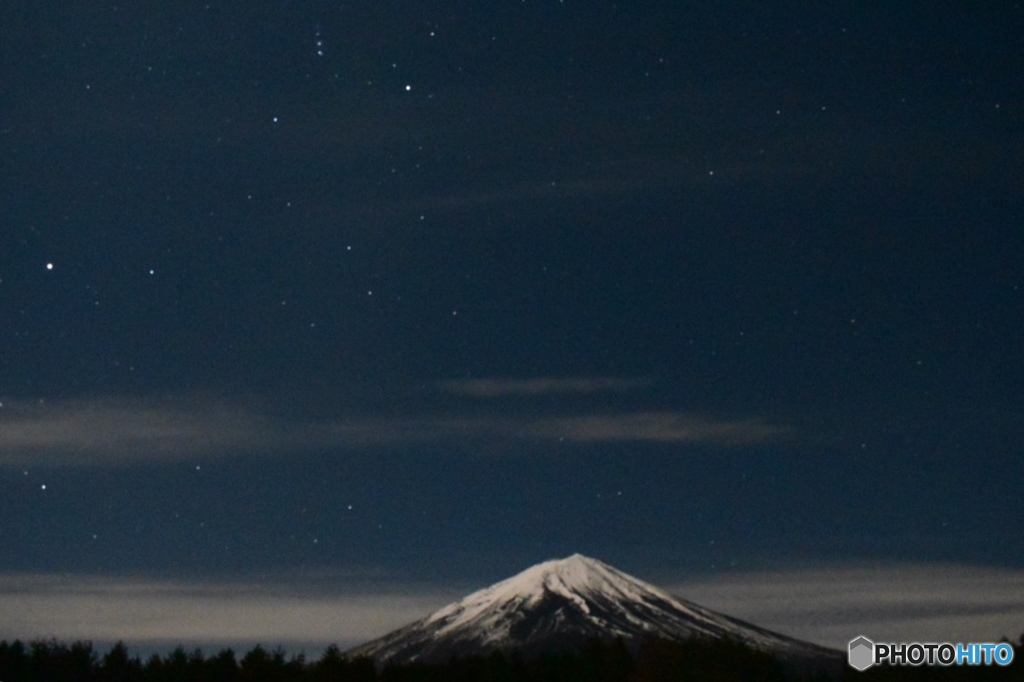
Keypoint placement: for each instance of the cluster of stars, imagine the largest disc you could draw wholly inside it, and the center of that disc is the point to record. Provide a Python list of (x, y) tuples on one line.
[(319, 42)]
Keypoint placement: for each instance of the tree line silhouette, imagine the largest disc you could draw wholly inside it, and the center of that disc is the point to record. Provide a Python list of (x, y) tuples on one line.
[(696, 660)]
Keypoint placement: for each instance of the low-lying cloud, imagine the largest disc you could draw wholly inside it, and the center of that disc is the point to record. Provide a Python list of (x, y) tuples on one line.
[(830, 606), (897, 603), (150, 614)]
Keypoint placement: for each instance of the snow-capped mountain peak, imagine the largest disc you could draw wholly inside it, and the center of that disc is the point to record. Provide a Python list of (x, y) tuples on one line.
[(559, 604), (579, 580)]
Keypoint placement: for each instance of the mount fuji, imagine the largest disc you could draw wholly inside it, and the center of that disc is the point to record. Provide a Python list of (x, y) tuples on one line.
[(559, 605)]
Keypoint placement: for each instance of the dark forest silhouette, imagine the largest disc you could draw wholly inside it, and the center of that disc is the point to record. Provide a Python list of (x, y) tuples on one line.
[(697, 660)]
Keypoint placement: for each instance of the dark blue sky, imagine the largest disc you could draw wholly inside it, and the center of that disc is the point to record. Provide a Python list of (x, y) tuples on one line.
[(439, 292)]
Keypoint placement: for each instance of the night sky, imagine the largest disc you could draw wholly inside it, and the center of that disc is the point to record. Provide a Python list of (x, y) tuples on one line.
[(316, 315)]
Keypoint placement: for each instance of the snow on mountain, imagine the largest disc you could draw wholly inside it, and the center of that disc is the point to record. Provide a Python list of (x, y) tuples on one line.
[(562, 603)]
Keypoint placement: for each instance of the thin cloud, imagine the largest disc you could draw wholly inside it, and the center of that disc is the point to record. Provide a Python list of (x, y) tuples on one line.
[(659, 427), (828, 605), (117, 432), (651, 427), (904, 602), (150, 614), (498, 388), (87, 431)]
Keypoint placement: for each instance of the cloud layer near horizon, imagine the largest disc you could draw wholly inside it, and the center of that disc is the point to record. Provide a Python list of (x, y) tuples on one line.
[(151, 613), (123, 431), (829, 605), (895, 603)]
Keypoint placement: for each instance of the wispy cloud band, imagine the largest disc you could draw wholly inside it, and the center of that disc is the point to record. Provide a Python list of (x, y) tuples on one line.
[(147, 613), (498, 388), (896, 602), (110, 432), (828, 605)]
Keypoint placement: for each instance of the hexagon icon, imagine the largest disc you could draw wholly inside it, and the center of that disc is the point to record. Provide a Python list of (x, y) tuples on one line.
[(862, 653)]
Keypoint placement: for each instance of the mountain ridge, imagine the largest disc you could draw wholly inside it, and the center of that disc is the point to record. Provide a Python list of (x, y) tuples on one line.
[(560, 604)]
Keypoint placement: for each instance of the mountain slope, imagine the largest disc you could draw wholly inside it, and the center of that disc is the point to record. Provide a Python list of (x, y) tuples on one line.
[(560, 604)]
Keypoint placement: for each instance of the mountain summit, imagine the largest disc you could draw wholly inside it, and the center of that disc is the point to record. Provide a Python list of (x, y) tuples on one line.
[(560, 604)]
